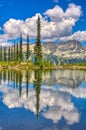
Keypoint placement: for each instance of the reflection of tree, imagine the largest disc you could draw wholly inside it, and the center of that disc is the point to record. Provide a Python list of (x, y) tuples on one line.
[(37, 87), (27, 82), (0, 77), (16, 78), (4, 75), (13, 78), (8, 76), (20, 83)]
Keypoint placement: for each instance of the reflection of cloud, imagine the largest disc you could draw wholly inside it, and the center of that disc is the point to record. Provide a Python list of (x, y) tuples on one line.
[(0, 28), (59, 103), (56, 1), (55, 113), (51, 128), (76, 92)]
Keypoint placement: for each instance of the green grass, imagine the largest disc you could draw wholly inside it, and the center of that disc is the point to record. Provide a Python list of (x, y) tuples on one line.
[(43, 65), (79, 64)]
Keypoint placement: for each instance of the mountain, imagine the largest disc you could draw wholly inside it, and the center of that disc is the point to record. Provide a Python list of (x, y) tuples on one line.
[(63, 52), (70, 51)]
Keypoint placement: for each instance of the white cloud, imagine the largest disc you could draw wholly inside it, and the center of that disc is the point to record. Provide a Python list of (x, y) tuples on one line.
[(4, 40), (57, 14), (79, 36), (60, 24), (73, 11)]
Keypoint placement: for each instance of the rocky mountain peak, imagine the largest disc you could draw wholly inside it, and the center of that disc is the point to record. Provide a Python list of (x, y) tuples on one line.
[(69, 49)]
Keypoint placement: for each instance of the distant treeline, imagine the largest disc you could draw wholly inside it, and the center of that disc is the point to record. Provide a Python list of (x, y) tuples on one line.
[(15, 52)]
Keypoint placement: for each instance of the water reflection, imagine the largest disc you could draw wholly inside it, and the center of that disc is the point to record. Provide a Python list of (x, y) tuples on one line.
[(37, 87), (45, 93)]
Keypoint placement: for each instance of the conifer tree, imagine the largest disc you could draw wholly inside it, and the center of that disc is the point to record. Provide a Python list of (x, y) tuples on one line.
[(17, 52), (38, 48), (27, 47), (9, 53), (4, 53), (21, 55), (14, 53), (1, 53)]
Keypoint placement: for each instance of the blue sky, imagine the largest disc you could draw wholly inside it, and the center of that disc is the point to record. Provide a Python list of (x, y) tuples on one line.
[(61, 19)]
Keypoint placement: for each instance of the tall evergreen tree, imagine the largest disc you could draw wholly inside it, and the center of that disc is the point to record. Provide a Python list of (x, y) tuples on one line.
[(5, 58), (14, 53), (1, 53), (17, 52), (38, 48), (21, 54), (27, 47), (9, 53)]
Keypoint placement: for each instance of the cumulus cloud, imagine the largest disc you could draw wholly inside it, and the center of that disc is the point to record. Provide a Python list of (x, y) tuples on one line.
[(79, 36), (60, 21), (60, 24), (4, 40), (57, 14), (73, 11)]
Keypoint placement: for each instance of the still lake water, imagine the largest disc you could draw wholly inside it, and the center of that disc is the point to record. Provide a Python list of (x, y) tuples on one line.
[(37, 100)]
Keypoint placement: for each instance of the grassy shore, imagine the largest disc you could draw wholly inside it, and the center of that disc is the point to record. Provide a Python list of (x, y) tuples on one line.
[(29, 65)]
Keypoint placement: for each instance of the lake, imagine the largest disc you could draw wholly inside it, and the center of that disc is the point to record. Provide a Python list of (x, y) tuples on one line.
[(42, 100)]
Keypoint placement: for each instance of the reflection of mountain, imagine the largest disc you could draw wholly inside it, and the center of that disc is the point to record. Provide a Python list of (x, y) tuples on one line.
[(51, 102), (70, 78)]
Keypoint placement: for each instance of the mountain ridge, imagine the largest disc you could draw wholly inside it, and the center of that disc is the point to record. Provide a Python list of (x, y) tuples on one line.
[(69, 51)]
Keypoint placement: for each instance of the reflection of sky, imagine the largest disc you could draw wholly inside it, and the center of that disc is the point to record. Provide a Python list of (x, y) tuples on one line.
[(83, 84), (58, 101)]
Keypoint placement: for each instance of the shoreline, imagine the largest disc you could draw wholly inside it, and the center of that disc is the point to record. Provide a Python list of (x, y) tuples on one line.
[(26, 66)]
